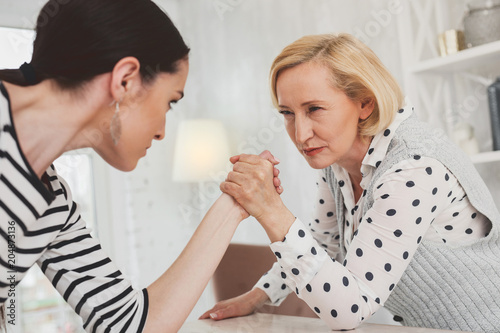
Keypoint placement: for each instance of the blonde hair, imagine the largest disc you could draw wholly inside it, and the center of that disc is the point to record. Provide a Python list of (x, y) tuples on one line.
[(355, 69)]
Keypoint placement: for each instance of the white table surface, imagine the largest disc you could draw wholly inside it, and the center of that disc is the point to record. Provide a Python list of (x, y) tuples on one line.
[(269, 323)]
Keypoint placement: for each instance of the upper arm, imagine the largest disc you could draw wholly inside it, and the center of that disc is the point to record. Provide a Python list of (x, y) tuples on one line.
[(88, 280)]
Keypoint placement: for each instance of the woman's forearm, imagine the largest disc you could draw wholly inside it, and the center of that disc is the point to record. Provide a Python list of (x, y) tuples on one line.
[(173, 295)]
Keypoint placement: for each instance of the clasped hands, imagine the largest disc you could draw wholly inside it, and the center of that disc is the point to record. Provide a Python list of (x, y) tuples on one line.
[(255, 185)]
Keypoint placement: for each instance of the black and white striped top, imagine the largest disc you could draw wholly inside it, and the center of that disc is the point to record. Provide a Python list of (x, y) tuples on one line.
[(40, 223)]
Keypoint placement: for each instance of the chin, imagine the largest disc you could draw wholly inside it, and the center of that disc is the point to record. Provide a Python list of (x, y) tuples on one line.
[(318, 166), (122, 164), (125, 166), (317, 163)]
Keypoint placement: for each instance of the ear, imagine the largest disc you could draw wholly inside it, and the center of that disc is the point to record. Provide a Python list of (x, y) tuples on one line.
[(125, 77), (367, 107)]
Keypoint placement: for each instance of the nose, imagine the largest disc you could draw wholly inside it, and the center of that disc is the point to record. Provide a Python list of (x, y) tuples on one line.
[(160, 135), (303, 129)]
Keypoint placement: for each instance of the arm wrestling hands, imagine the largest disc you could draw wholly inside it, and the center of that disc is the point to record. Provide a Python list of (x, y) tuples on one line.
[(255, 185)]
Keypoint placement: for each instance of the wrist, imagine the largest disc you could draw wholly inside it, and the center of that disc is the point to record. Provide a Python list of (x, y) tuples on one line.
[(234, 208), (277, 223), (259, 297), (229, 208)]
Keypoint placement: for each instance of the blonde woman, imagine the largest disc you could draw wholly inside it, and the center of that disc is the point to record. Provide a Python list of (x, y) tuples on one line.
[(402, 218)]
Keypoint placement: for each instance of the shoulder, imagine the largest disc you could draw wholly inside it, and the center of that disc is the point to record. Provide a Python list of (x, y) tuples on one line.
[(416, 169)]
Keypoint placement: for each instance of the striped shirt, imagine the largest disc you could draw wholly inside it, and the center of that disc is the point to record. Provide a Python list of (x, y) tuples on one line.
[(40, 223)]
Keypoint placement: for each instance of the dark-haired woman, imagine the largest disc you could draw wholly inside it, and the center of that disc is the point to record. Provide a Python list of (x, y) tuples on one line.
[(103, 75)]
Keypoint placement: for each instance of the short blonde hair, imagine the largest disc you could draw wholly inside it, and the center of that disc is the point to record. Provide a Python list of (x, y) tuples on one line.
[(355, 69)]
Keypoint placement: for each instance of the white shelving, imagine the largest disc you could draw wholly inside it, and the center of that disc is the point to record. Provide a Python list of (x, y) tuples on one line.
[(486, 157), (483, 54), (441, 88)]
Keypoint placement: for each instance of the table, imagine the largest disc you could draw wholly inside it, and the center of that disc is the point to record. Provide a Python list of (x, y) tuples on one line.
[(269, 323)]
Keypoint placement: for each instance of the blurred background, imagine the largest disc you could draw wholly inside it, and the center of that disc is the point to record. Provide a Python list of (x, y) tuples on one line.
[(144, 218)]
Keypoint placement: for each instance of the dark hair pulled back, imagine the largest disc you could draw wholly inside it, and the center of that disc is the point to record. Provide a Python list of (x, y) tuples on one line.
[(77, 40)]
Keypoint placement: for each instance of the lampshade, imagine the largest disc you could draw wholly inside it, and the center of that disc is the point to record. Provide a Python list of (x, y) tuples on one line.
[(201, 150)]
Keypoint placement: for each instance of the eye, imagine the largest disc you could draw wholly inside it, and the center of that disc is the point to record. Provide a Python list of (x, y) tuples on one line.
[(171, 104), (285, 112), (314, 108)]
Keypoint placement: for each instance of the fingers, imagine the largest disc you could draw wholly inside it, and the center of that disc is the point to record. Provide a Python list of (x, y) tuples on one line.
[(219, 313), (222, 314), (276, 182), (266, 154), (206, 315), (248, 158), (234, 159), (251, 168), (279, 190), (209, 313), (230, 188), (230, 311), (244, 164), (216, 307)]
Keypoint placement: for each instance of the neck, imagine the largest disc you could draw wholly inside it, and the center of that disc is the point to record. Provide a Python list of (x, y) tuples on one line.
[(49, 121), (352, 163)]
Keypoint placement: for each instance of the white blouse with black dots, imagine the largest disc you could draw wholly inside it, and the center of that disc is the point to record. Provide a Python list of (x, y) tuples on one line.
[(414, 200)]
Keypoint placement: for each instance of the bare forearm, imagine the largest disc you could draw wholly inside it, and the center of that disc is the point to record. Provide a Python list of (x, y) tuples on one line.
[(175, 293)]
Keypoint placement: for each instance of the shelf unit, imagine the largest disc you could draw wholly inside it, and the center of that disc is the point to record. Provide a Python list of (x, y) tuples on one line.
[(486, 157), (465, 59), (434, 84)]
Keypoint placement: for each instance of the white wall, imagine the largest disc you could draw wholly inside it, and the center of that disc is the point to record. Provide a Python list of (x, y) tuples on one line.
[(233, 43)]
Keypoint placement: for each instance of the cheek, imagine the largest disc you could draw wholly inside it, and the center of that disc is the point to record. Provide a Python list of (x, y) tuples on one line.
[(347, 124), (290, 129)]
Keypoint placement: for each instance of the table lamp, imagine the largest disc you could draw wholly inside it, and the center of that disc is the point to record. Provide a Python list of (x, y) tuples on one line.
[(201, 150), (201, 153)]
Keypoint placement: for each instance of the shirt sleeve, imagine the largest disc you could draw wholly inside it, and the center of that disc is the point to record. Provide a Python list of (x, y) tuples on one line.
[(273, 285), (87, 279), (325, 237), (406, 201)]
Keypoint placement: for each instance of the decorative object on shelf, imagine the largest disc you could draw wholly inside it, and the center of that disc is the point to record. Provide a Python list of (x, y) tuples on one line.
[(482, 22), (494, 104), (451, 41), (463, 136)]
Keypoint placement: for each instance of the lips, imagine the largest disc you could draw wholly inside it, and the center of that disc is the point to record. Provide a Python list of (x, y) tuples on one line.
[(313, 151)]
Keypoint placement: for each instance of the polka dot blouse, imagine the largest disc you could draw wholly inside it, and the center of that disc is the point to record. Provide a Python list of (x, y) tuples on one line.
[(417, 199)]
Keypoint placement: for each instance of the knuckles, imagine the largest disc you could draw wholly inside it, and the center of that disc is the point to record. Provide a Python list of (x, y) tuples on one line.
[(261, 174)]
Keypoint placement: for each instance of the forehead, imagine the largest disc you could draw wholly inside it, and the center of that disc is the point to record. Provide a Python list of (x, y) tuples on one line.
[(173, 81), (304, 80), (307, 68)]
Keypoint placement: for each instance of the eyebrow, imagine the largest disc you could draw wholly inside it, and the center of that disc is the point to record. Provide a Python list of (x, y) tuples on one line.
[(303, 104)]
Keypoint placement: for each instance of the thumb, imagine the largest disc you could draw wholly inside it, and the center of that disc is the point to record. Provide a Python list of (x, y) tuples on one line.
[(266, 154), (234, 159)]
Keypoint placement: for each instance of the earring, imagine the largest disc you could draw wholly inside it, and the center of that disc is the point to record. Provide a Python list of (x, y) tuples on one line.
[(115, 127)]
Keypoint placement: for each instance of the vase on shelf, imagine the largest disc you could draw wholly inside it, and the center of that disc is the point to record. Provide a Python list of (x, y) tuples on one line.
[(482, 22)]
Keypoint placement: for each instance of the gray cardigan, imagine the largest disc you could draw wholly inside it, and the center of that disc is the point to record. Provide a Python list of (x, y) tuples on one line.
[(443, 287)]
